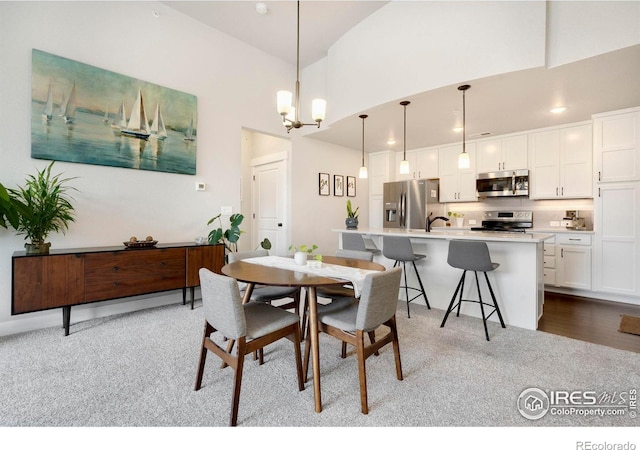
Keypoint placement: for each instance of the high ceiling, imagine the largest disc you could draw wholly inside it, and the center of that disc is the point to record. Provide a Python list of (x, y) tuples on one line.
[(498, 105)]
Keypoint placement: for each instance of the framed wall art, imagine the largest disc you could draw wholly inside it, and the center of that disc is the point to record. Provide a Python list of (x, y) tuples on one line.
[(338, 185), (323, 184), (84, 114), (351, 186)]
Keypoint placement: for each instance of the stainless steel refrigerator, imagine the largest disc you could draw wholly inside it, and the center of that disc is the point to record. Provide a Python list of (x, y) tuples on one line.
[(408, 204)]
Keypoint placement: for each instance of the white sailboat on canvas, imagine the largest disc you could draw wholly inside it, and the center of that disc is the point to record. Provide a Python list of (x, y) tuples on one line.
[(47, 113), (158, 129), (138, 125), (68, 108), (188, 136), (121, 120)]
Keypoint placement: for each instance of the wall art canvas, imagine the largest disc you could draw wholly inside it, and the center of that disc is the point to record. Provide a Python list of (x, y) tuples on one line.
[(323, 184), (338, 185), (84, 114), (351, 186)]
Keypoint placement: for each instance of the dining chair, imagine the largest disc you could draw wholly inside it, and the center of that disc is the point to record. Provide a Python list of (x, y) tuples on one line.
[(268, 294), (376, 307), (252, 325)]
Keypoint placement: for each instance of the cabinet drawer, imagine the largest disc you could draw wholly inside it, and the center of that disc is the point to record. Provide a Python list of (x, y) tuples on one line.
[(127, 273), (574, 239), (550, 277), (549, 250), (549, 261)]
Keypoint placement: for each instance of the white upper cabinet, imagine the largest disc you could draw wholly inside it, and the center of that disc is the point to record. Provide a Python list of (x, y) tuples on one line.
[(509, 153), (616, 140), (422, 164), (457, 185), (561, 163)]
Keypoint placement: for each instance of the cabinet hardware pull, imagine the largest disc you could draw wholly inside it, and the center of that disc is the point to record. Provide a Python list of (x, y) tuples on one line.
[(115, 268), (561, 253), (599, 176), (115, 283), (562, 191), (574, 239), (556, 192), (598, 192)]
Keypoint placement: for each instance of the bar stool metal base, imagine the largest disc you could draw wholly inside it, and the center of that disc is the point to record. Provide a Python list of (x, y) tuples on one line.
[(421, 291), (460, 288)]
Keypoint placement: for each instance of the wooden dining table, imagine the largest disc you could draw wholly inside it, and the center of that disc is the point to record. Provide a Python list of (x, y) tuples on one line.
[(252, 274)]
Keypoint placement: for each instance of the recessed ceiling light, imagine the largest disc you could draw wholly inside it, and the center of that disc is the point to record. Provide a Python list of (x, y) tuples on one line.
[(155, 14), (457, 129), (261, 8), (391, 142), (558, 109)]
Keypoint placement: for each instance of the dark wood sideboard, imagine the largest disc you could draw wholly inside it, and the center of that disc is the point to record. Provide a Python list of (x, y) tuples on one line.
[(65, 278)]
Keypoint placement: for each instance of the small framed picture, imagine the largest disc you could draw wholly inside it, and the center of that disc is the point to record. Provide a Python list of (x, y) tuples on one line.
[(351, 186), (323, 184), (338, 185)]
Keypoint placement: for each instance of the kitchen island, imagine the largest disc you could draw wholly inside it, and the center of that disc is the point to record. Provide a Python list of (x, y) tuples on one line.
[(518, 283)]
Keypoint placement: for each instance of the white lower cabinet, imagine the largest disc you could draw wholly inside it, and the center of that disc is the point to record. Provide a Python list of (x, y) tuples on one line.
[(573, 261), (550, 261)]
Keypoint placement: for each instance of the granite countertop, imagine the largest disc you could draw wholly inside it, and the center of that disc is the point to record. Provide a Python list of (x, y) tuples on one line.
[(448, 233)]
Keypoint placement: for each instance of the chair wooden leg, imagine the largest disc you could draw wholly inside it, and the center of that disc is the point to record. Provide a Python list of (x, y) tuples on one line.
[(362, 371), (307, 354), (203, 355), (391, 323), (237, 381), (343, 352)]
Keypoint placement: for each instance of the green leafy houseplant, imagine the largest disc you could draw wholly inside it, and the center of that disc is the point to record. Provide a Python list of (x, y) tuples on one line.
[(9, 209), (228, 237), (352, 216), (308, 249), (44, 206)]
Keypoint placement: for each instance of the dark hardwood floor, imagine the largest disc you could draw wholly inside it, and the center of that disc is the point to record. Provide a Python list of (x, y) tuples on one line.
[(588, 319)]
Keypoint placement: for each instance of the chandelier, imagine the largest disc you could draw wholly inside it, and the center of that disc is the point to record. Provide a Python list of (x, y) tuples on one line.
[(290, 111)]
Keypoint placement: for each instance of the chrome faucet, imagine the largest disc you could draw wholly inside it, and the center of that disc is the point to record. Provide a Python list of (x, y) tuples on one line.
[(430, 221)]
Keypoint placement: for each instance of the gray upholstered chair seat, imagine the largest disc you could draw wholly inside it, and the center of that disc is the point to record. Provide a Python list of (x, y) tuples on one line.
[(270, 293), (343, 317), (263, 319)]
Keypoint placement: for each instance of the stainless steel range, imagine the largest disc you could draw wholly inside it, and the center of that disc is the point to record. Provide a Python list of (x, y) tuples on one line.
[(506, 221)]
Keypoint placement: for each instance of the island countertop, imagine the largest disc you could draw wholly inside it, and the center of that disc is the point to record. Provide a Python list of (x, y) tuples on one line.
[(487, 236)]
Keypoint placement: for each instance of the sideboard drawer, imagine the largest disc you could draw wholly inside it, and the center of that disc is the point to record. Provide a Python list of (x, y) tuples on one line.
[(129, 272)]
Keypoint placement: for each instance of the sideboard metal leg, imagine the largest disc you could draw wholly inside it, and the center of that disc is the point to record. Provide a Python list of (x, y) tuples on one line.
[(184, 296), (193, 289), (66, 318)]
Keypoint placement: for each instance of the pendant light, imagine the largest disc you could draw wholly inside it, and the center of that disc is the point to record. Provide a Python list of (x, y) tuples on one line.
[(363, 169), (463, 158), (290, 112), (404, 164)]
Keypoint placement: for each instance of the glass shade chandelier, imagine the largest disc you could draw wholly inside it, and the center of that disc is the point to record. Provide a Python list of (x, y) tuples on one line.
[(404, 164), (363, 169), (463, 158), (289, 107)]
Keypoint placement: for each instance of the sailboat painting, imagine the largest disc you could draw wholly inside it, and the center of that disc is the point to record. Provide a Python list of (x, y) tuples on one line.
[(150, 127)]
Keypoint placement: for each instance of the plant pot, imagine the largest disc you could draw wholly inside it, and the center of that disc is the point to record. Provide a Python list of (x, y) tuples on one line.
[(37, 248), (300, 258), (351, 223)]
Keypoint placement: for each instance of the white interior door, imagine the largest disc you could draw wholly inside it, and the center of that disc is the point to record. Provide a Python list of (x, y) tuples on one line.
[(270, 206)]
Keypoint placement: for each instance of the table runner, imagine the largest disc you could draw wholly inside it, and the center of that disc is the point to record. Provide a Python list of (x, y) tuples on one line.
[(354, 275)]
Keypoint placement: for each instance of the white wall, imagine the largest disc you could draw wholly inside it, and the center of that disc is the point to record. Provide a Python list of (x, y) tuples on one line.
[(315, 215), (114, 203), (409, 47)]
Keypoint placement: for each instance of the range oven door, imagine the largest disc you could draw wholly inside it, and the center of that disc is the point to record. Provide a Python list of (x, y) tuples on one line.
[(510, 183)]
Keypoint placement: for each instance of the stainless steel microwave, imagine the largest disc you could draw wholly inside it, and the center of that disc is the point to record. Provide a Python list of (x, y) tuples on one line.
[(508, 183)]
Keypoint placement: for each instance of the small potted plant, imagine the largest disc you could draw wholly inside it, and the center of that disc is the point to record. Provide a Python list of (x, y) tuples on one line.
[(302, 253), (459, 218), (45, 207), (352, 217)]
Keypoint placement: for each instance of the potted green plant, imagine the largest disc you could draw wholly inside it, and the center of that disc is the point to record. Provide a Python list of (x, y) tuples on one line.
[(302, 253), (44, 207), (352, 217), (9, 209), (228, 237), (459, 218)]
